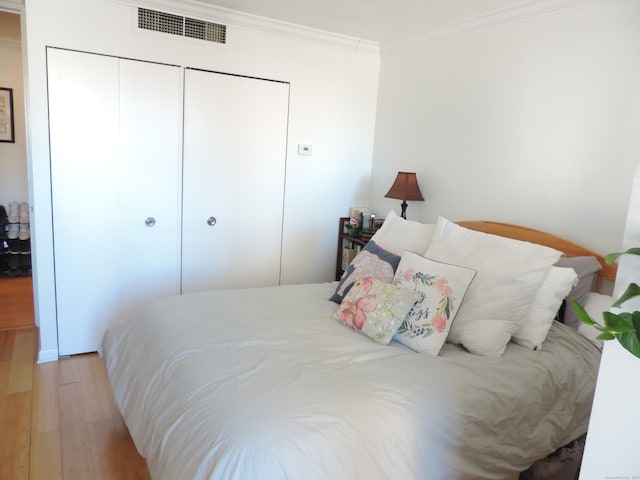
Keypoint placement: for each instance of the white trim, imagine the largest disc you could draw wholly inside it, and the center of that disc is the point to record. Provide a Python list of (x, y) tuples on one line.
[(247, 21), (11, 6), (45, 356), (492, 19)]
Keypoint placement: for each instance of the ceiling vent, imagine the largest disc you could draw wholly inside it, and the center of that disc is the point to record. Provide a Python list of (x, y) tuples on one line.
[(182, 26)]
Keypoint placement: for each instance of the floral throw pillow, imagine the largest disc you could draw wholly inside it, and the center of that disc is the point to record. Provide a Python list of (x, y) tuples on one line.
[(376, 308), (371, 261), (444, 286)]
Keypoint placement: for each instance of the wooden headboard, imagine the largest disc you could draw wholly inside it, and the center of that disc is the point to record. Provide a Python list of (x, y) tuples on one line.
[(569, 249)]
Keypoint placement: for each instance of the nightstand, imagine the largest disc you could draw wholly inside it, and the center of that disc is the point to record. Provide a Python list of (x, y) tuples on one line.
[(348, 245)]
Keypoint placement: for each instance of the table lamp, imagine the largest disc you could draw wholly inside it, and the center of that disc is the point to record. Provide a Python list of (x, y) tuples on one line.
[(405, 187)]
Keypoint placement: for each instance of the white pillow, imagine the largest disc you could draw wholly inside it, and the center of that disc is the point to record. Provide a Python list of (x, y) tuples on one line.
[(510, 273), (398, 235), (444, 286), (553, 290)]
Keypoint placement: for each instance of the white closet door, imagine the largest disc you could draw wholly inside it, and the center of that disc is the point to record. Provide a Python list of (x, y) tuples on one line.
[(115, 160), (83, 124), (235, 135), (150, 181)]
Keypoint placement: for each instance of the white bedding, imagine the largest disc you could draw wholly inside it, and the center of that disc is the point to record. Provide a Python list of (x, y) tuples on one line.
[(265, 384)]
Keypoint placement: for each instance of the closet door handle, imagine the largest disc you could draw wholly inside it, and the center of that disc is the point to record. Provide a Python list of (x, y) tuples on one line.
[(150, 222), (211, 221)]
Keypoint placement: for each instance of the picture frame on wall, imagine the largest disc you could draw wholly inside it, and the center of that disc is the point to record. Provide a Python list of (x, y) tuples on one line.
[(6, 115)]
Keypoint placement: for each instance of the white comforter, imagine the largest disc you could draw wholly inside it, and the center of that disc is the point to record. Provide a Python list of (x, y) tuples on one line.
[(265, 384)]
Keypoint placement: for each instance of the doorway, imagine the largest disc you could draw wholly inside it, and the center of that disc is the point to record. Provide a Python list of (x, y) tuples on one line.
[(16, 287)]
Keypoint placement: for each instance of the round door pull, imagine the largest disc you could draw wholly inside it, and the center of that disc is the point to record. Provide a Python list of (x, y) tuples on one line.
[(150, 222), (211, 221)]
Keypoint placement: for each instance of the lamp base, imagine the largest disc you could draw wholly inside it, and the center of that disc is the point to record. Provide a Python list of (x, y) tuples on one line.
[(404, 209)]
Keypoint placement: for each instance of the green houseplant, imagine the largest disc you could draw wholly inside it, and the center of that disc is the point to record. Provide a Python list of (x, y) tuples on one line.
[(624, 326)]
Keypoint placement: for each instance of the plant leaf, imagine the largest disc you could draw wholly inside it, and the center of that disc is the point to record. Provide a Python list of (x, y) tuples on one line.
[(633, 290), (582, 314), (630, 341), (606, 336), (618, 323), (612, 257)]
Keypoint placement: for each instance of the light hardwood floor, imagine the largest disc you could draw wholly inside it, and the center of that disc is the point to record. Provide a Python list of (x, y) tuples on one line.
[(58, 420), (16, 302)]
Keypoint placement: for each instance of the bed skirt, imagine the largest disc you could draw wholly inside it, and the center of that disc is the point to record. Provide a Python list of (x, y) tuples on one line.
[(563, 464)]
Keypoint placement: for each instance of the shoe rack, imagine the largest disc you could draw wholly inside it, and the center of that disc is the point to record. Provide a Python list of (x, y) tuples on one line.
[(15, 240)]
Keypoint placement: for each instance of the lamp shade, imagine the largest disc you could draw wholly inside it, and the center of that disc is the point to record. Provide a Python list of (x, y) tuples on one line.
[(405, 187)]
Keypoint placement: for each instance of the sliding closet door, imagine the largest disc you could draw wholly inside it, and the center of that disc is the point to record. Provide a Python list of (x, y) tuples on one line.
[(115, 166), (235, 135)]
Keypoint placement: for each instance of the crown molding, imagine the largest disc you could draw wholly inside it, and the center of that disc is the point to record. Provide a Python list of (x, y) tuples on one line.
[(527, 10), (236, 19), (12, 6)]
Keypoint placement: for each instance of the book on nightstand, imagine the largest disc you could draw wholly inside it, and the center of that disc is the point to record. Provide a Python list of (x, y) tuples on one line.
[(348, 254)]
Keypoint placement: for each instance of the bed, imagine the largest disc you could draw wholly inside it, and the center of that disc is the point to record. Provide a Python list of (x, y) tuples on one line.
[(266, 383)]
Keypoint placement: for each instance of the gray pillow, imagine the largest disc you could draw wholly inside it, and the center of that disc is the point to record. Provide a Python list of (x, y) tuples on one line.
[(587, 269)]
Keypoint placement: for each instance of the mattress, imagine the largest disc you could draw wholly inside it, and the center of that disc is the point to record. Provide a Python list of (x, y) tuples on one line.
[(265, 384)]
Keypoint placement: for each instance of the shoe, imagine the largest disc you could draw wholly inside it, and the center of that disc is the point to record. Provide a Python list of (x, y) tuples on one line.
[(3, 217), (4, 264), (24, 247), (25, 264), (24, 212), (14, 212), (14, 231), (24, 232), (14, 264), (14, 245)]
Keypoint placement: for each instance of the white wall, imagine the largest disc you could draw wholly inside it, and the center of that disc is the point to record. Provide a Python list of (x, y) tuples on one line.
[(332, 107), (13, 156), (534, 123)]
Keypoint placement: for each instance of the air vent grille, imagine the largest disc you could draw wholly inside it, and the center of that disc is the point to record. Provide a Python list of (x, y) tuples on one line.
[(182, 26), (211, 32)]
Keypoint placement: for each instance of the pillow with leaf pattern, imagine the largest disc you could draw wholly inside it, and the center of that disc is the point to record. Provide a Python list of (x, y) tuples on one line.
[(443, 286)]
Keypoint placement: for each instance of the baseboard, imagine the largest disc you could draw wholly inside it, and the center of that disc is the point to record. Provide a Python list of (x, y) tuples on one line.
[(45, 356)]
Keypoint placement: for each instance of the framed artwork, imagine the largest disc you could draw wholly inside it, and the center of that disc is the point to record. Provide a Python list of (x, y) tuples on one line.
[(6, 115)]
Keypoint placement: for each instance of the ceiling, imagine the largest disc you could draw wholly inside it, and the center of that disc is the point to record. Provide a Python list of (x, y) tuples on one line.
[(382, 21)]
